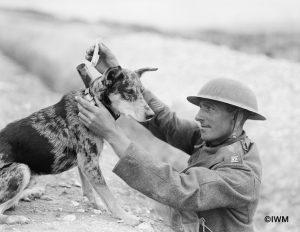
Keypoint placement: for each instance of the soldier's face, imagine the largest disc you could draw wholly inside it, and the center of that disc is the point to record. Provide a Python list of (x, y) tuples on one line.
[(216, 123)]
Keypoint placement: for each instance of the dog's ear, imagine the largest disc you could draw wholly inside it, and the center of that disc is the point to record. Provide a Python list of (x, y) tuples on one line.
[(84, 74), (141, 71), (113, 74)]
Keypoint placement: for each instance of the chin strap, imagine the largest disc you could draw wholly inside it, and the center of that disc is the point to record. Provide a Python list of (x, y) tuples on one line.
[(233, 133), (90, 98)]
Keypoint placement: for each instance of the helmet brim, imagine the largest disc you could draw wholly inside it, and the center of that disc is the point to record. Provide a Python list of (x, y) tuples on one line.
[(253, 114)]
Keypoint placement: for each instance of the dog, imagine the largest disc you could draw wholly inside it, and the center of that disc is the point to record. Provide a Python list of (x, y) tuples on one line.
[(53, 140)]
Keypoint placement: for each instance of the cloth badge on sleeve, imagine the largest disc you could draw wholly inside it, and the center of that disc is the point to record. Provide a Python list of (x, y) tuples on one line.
[(235, 159)]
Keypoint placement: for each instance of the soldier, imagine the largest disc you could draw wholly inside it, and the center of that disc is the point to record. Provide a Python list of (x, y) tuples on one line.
[(219, 188)]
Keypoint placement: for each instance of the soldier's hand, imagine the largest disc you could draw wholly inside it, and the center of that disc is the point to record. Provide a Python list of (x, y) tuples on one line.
[(106, 60), (96, 118)]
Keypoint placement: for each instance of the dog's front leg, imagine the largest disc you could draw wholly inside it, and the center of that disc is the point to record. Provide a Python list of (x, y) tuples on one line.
[(88, 191), (89, 164)]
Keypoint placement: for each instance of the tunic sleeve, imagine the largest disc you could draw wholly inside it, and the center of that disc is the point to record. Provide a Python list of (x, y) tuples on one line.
[(197, 189), (180, 133)]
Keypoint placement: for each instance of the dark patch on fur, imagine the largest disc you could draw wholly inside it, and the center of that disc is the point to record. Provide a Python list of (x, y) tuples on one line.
[(127, 90), (93, 148), (60, 109), (67, 158), (13, 184), (90, 149), (6, 155), (126, 84), (10, 181), (28, 146)]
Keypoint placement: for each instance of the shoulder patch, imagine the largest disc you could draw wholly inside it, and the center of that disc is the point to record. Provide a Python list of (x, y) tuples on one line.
[(234, 159), (233, 153)]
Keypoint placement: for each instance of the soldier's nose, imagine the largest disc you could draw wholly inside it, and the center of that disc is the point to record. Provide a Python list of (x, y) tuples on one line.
[(149, 113), (149, 116)]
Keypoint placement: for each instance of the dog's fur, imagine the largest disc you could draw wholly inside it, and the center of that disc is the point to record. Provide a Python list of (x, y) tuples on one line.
[(53, 140)]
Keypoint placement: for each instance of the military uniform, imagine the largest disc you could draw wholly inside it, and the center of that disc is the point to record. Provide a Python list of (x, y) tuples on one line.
[(218, 190)]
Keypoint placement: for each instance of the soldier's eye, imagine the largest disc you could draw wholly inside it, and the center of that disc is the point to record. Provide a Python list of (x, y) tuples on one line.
[(130, 92)]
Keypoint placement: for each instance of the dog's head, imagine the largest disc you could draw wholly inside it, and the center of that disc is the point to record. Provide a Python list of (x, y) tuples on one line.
[(121, 91)]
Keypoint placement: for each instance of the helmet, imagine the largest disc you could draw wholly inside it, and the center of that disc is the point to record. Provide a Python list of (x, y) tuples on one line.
[(231, 92)]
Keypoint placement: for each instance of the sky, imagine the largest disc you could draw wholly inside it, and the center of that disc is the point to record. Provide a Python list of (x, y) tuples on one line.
[(177, 14)]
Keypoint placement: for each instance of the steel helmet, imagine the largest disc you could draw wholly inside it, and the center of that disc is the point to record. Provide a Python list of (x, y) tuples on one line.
[(231, 92)]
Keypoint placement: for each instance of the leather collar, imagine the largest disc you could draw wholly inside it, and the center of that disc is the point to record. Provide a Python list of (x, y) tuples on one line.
[(88, 95)]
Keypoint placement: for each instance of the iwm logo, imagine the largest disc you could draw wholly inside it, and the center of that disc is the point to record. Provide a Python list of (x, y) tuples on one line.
[(276, 219)]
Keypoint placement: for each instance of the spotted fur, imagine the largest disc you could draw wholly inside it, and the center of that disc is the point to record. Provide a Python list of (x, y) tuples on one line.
[(54, 140)]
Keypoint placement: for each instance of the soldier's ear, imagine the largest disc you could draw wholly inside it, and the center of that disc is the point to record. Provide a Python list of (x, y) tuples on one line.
[(85, 75), (141, 71)]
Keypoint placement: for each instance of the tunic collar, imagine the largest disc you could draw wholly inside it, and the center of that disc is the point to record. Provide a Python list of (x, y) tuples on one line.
[(212, 149), (205, 155)]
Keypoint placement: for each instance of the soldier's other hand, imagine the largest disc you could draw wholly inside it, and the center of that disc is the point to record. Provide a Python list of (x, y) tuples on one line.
[(106, 60)]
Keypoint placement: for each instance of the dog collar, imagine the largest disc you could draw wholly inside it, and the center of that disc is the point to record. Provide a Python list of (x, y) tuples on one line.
[(90, 98)]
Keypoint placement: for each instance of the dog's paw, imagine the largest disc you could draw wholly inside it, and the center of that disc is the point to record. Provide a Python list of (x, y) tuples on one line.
[(32, 193), (98, 206), (14, 219), (95, 203)]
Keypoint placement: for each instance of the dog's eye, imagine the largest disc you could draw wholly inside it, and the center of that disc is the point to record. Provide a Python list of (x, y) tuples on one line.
[(129, 95)]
